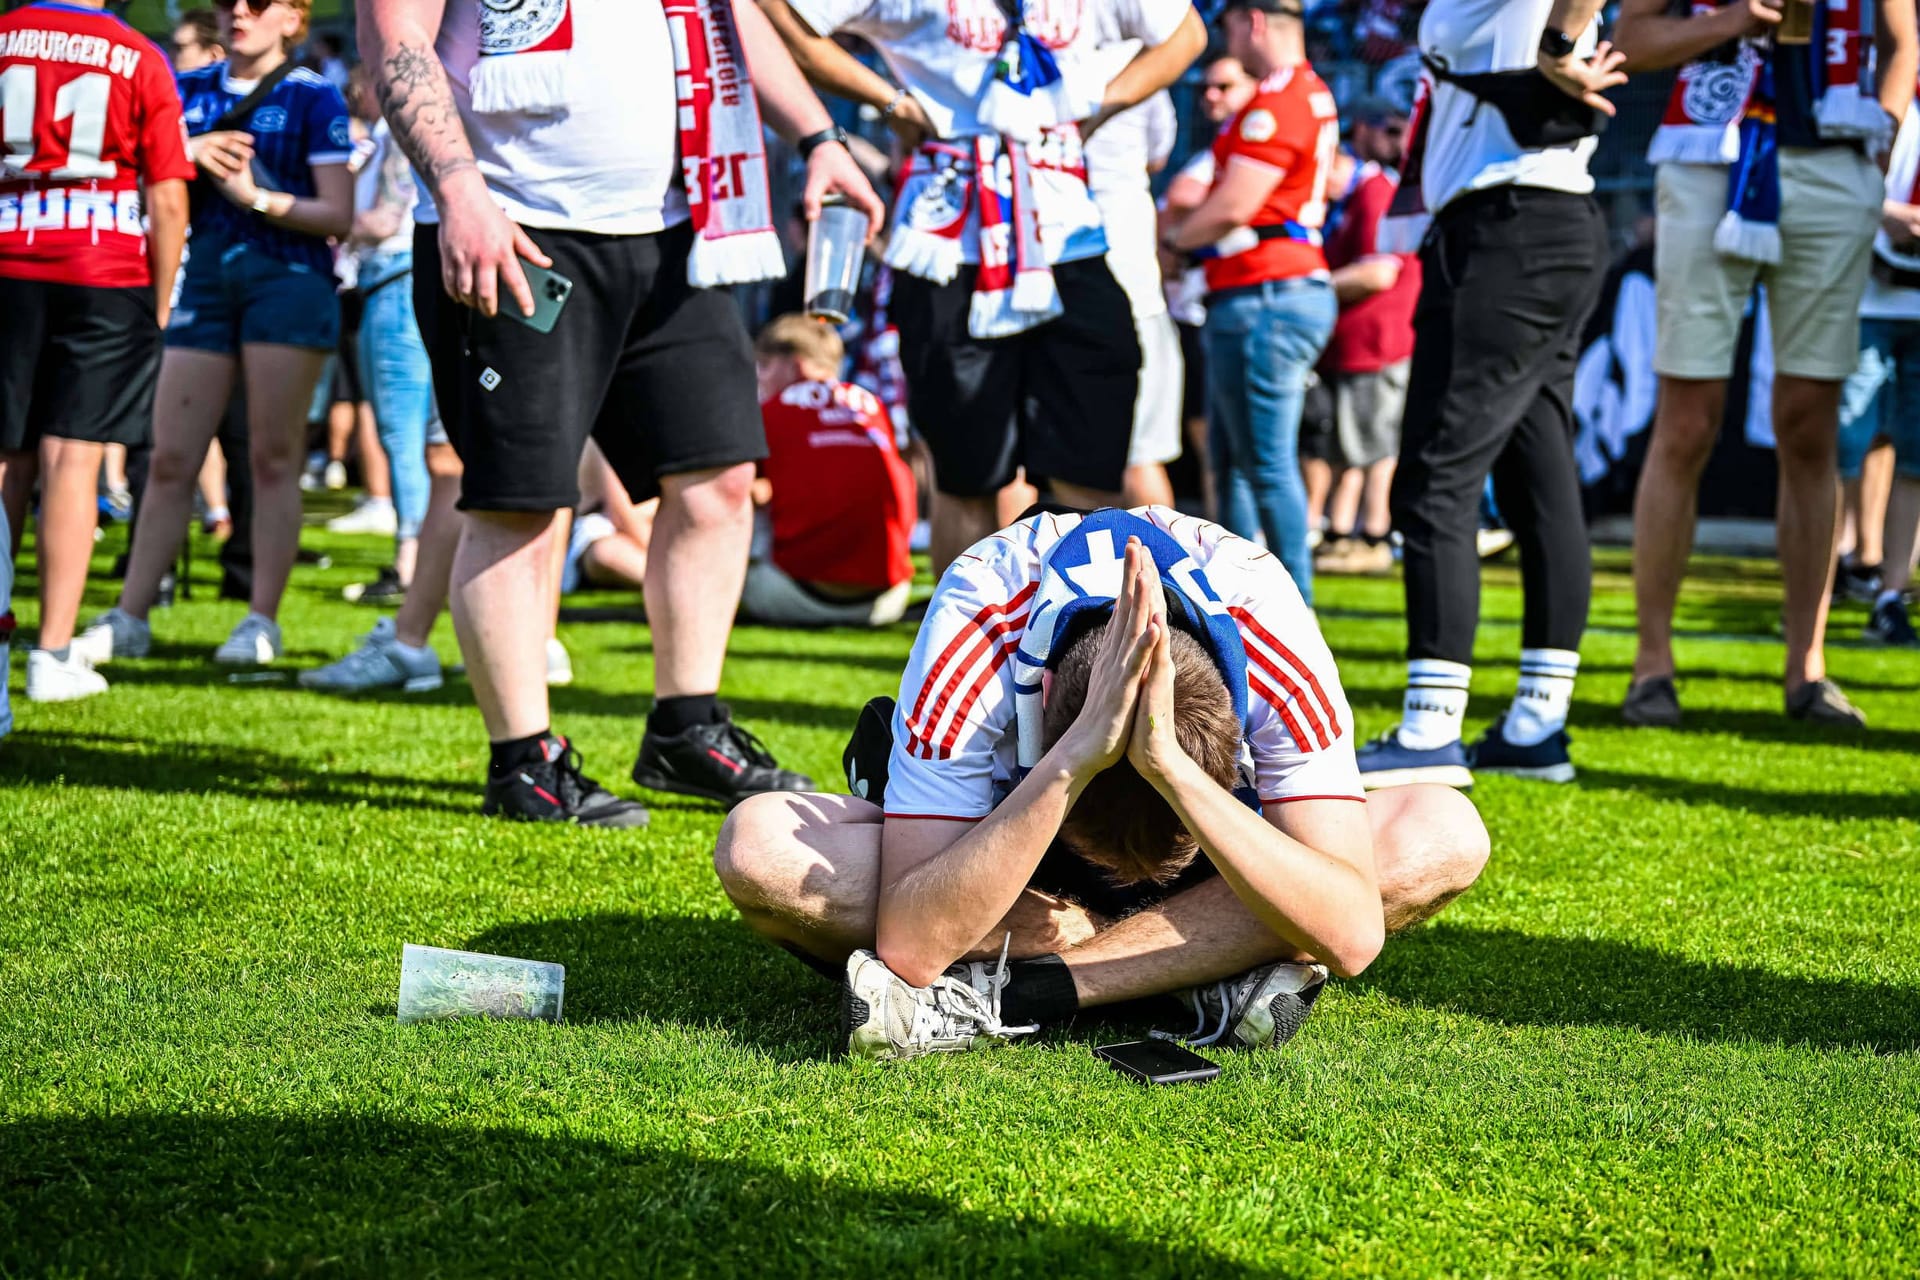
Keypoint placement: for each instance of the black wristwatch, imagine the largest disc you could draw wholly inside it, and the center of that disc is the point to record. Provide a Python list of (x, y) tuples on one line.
[(814, 141), (1556, 43)]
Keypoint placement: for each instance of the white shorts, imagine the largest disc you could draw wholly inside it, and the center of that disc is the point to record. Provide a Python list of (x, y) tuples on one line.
[(774, 598), (1829, 209), (1156, 409)]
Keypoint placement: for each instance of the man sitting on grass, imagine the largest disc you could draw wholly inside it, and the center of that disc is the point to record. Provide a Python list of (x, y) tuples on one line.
[(1120, 759)]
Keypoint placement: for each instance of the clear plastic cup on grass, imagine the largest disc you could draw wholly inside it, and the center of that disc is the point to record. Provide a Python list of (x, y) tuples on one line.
[(438, 983)]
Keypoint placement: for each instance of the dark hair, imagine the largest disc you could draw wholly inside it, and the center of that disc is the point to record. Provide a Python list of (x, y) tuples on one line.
[(206, 28), (1120, 823)]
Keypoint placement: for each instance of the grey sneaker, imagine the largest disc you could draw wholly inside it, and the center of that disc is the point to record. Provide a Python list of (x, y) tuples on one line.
[(888, 1020), (254, 643), (1652, 703), (1821, 702), (1260, 1009), (114, 634), (381, 662)]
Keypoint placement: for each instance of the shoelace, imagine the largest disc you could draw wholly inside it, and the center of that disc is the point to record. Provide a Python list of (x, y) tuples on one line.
[(961, 1000), (749, 746), (1222, 992), (574, 785)]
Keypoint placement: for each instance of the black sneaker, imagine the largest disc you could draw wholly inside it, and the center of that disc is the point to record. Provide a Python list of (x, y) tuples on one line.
[(1859, 583), (1543, 761), (384, 589), (715, 761), (554, 790), (1890, 625)]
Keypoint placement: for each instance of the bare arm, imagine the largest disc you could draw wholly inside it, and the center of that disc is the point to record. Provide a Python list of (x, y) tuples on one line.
[(1586, 79), (1899, 49), (329, 213), (166, 234), (833, 70), (790, 104), (1230, 204), (1654, 39), (393, 198)]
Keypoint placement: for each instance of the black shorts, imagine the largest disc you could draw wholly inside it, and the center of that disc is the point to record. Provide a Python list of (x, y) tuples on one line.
[(658, 373), (1057, 399), (1193, 394), (1317, 421), (78, 362)]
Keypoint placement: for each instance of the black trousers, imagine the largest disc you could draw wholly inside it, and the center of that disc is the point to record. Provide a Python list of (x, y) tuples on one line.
[(1510, 275)]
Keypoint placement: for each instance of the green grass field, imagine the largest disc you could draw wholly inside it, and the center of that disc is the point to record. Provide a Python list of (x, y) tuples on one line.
[(1673, 1031)]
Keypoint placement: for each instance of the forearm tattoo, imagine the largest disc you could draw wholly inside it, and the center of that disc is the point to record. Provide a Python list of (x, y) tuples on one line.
[(418, 103)]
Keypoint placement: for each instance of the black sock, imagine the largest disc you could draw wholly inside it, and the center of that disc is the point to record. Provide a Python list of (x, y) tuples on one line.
[(671, 717), (511, 754), (1039, 990)]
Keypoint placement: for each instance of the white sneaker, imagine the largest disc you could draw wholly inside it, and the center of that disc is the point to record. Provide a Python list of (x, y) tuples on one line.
[(114, 634), (254, 643), (49, 679), (381, 662), (335, 476), (559, 665), (374, 515), (1259, 1009), (887, 1019)]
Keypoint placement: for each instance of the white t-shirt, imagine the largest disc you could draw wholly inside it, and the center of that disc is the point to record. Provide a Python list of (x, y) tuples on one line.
[(943, 52), (1187, 292), (955, 751), (1117, 160), (610, 164), (1469, 149), (366, 190)]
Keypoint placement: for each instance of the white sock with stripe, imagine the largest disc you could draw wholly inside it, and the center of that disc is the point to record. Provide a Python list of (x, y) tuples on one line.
[(1436, 703), (1545, 693)]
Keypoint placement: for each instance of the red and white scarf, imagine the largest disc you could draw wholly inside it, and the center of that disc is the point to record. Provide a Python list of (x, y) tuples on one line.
[(723, 158), (1014, 289), (1709, 99), (1903, 183)]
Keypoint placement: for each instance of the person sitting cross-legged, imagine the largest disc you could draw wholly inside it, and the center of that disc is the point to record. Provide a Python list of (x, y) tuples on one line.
[(1120, 765)]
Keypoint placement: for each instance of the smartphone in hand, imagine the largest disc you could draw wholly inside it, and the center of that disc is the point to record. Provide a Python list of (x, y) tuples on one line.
[(550, 293)]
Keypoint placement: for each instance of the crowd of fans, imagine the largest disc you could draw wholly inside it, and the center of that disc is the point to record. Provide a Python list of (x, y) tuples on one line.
[(1362, 379)]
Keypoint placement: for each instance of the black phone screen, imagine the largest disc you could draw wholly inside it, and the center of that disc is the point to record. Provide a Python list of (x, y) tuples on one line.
[(1157, 1060)]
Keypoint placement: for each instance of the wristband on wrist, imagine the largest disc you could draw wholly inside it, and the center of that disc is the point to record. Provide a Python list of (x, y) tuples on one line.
[(814, 141), (893, 104), (1556, 44)]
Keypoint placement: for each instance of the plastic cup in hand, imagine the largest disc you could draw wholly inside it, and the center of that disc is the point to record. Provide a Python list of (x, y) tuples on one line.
[(436, 983), (836, 247)]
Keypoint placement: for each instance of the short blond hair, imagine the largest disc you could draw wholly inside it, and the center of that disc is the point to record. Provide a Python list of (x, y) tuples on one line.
[(802, 337)]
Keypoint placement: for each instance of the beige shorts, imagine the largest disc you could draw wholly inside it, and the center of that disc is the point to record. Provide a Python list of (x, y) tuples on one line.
[(1829, 210), (774, 598)]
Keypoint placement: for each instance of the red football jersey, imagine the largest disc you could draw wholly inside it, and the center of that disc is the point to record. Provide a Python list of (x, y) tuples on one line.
[(843, 498), (88, 112), (1290, 127)]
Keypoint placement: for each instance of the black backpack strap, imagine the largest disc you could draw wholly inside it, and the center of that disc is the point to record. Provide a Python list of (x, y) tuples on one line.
[(237, 115)]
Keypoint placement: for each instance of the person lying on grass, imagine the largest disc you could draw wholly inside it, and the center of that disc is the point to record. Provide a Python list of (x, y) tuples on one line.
[(1121, 765)]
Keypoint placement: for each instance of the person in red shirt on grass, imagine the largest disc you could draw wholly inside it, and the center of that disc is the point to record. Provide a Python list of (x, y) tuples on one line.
[(840, 498), (1270, 306), (94, 151)]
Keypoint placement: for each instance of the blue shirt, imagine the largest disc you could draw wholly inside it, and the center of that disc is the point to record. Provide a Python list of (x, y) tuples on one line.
[(302, 124)]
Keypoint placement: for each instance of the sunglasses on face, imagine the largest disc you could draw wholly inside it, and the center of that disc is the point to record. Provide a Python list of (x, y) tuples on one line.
[(255, 7), (1210, 87)]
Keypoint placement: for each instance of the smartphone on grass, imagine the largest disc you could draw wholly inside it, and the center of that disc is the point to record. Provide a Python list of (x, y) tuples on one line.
[(1157, 1062), (550, 293)]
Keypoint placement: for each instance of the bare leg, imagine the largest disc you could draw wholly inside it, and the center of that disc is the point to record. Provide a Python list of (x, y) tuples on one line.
[(1871, 494), (1685, 423), (1343, 508), (187, 408), (280, 382), (433, 563), (701, 539), (958, 523), (1806, 418), (113, 466), (1146, 486), (803, 870), (615, 561), (69, 510), (341, 421), (502, 577), (213, 478), (1903, 530), (19, 472), (1317, 473), (374, 467), (1376, 505)]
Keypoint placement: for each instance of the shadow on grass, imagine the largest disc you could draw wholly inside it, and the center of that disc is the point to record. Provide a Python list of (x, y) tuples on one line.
[(1831, 806), (40, 758), (363, 1195), (1507, 976), (698, 971), (753, 713)]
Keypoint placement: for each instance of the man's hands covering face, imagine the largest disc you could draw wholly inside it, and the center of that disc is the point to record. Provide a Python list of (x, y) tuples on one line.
[(1112, 716)]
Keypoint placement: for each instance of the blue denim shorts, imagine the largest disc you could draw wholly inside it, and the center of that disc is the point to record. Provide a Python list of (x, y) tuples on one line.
[(233, 295), (1882, 397)]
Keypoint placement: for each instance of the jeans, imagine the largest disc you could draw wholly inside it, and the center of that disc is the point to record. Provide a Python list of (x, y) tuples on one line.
[(1882, 398), (399, 381), (1262, 344)]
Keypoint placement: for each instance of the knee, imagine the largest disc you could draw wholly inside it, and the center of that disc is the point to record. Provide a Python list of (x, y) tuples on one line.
[(273, 458), (751, 854), (1687, 425), (1432, 853), (713, 499), (173, 468)]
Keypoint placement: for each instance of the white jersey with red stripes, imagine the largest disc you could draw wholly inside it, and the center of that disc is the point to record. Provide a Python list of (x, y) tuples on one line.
[(956, 725)]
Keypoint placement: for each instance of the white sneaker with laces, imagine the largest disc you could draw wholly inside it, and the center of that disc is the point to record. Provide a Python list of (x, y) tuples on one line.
[(559, 664), (254, 643), (114, 634), (374, 515), (51, 679), (381, 662), (889, 1020), (1259, 1009)]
